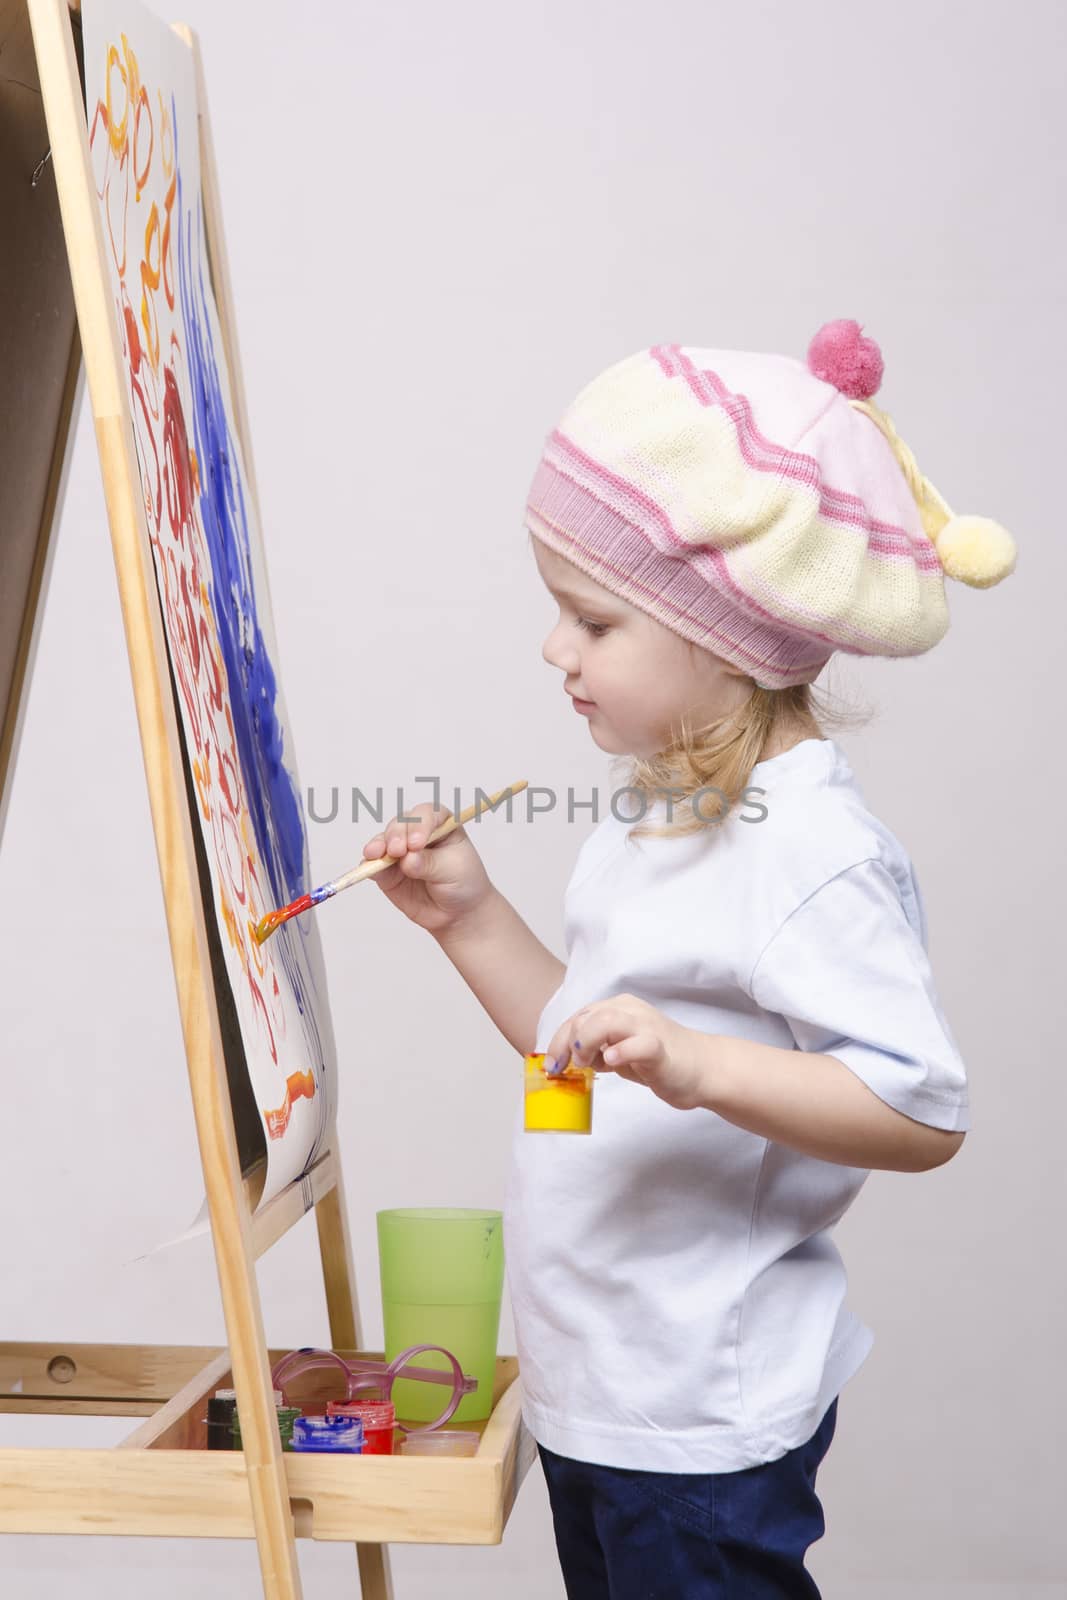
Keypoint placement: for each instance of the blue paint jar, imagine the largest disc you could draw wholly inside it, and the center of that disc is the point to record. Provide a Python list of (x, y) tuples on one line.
[(343, 1435)]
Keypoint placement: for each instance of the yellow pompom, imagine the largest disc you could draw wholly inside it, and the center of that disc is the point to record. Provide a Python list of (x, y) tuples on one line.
[(976, 551)]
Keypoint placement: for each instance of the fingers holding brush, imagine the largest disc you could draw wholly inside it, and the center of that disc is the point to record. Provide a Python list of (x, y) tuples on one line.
[(404, 838), (433, 882)]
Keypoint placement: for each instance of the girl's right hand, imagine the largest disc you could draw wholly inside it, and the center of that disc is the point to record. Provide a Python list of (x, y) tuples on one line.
[(436, 887)]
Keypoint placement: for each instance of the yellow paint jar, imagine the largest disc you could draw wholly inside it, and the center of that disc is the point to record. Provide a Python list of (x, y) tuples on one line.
[(557, 1105)]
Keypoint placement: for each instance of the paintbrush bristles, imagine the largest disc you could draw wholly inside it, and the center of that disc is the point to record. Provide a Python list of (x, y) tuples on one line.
[(262, 930)]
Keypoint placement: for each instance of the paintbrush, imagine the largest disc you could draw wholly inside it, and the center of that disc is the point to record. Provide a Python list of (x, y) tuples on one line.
[(262, 930)]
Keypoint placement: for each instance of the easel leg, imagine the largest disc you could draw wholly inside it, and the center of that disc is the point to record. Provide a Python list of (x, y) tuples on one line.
[(230, 1225), (338, 1272), (335, 1247), (375, 1579)]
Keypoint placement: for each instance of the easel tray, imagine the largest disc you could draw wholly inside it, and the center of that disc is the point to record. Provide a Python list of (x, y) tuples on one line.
[(163, 1480)]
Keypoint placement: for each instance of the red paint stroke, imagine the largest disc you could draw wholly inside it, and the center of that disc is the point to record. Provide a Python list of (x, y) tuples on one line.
[(190, 633), (257, 996), (565, 1084), (176, 456), (227, 837), (298, 1085), (153, 504), (134, 341)]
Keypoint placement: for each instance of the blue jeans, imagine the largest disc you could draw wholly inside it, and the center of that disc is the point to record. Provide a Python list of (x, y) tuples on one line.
[(629, 1535)]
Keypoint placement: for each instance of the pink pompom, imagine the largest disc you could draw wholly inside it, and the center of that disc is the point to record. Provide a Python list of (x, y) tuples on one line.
[(840, 355)]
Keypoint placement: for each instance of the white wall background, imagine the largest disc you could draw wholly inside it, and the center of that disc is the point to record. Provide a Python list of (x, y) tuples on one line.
[(441, 222)]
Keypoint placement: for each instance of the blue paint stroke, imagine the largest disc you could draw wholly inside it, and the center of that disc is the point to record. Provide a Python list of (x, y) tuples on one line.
[(273, 800)]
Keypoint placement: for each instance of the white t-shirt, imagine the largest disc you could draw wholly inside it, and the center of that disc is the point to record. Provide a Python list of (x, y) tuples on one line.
[(678, 1298)]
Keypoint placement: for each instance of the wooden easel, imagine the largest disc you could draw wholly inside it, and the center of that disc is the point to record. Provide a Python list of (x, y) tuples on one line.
[(162, 1479)]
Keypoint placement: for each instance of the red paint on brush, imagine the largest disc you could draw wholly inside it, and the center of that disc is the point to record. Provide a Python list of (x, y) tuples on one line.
[(274, 919)]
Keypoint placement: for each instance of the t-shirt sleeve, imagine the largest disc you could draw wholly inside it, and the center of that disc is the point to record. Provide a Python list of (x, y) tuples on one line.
[(851, 976)]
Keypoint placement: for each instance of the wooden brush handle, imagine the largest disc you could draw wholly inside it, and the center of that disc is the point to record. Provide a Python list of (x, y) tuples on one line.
[(367, 869)]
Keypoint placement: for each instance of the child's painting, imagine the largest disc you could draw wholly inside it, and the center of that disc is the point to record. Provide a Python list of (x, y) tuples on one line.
[(144, 143)]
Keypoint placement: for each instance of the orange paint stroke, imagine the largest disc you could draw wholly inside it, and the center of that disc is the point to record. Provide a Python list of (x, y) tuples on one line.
[(140, 174), (150, 281), (297, 1085), (230, 922), (203, 784), (168, 205)]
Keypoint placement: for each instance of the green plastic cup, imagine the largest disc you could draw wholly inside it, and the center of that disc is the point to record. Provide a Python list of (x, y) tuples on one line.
[(442, 1272)]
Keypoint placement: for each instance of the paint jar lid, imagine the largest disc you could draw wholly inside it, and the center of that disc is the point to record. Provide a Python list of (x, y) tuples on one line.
[(442, 1442)]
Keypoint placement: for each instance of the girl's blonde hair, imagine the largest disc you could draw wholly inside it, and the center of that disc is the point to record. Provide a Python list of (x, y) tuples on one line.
[(720, 755)]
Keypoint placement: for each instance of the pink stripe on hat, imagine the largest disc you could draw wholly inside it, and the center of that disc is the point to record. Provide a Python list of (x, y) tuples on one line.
[(616, 553), (746, 501), (707, 561)]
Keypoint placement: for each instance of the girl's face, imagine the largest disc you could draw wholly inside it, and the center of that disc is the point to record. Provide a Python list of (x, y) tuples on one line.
[(639, 675)]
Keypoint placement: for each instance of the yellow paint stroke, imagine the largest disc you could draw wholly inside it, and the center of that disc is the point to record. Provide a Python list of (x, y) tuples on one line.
[(166, 137), (202, 780), (150, 281), (116, 131)]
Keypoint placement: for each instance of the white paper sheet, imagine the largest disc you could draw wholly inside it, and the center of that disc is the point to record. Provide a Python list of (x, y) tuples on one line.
[(142, 115)]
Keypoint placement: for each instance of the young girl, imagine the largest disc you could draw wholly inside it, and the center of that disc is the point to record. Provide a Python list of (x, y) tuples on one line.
[(746, 954)]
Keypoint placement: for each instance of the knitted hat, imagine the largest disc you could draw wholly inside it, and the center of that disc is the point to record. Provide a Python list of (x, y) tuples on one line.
[(759, 505)]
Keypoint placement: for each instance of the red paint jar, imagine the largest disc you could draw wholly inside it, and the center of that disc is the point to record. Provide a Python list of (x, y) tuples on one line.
[(378, 1418)]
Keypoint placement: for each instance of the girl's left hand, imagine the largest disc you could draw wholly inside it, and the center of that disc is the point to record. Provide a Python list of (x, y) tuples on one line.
[(627, 1036)]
